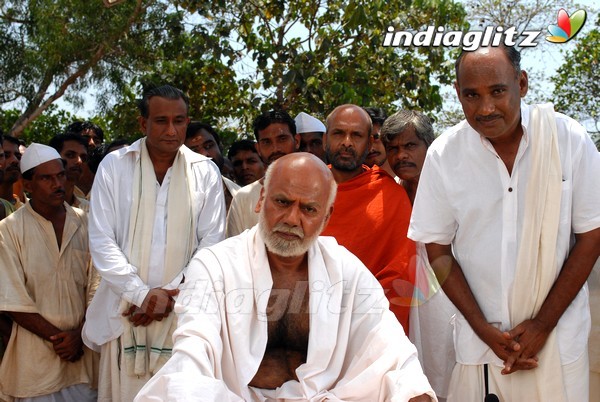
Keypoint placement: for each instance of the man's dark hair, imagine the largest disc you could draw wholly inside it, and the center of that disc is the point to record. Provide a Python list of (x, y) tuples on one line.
[(79, 127), (513, 54), (265, 119), (376, 114), (12, 140), (58, 141), (195, 126), (1, 137), (163, 91), (401, 120), (241, 145)]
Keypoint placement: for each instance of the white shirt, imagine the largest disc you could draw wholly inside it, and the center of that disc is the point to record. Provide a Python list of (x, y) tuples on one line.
[(357, 350), (467, 198), (241, 215), (109, 228)]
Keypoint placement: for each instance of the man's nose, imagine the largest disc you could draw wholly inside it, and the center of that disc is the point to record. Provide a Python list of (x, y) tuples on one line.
[(292, 217)]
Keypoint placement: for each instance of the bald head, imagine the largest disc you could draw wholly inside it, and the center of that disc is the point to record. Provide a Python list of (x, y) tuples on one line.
[(305, 169), (295, 204), (349, 110), (348, 140)]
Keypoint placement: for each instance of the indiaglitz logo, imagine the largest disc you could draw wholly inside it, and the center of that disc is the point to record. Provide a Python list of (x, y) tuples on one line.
[(568, 26)]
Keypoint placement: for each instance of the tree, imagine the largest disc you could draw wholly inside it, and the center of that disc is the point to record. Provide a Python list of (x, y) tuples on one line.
[(51, 48), (315, 54), (46, 126), (524, 15), (577, 81)]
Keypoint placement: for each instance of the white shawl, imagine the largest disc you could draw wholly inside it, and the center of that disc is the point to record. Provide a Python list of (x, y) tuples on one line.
[(155, 340), (536, 269)]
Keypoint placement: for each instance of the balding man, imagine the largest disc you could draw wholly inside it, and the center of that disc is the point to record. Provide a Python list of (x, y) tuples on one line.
[(509, 206), (279, 313), (275, 133), (372, 211)]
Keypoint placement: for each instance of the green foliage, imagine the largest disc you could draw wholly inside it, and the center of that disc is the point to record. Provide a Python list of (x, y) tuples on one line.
[(53, 47), (577, 81), (50, 123), (313, 55)]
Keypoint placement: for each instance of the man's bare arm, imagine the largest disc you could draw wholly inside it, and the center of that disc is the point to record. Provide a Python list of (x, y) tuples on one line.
[(34, 322), (532, 334), (67, 344)]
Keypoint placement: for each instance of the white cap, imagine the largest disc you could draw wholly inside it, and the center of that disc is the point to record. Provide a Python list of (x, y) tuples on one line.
[(305, 123), (36, 154)]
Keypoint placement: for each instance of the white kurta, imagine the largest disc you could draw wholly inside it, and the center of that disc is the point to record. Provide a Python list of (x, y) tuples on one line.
[(431, 317), (357, 350), (467, 198), (109, 229), (241, 215), (38, 277)]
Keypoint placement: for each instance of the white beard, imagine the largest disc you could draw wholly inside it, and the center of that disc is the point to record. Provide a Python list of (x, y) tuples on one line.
[(283, 247)]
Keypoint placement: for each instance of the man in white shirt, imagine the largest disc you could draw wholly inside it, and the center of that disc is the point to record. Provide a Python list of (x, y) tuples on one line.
[(279, 313), (153, 204), (500, 199), (276, 136)]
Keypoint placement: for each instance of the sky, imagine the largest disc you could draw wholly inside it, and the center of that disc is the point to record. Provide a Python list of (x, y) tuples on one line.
[(541, 62)]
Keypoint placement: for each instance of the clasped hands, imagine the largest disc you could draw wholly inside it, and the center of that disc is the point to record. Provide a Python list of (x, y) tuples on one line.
[(68, 345), (518, 348), (157, 305)]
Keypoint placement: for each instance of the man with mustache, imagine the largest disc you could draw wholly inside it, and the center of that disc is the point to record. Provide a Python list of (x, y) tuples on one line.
[(153, 204), (377, 155), (371, 212), (276, 136), (12, 156), (247, 165), (73, 150), (94, 137), (407, 134), (508, 205), (280, 313), (45, 266)]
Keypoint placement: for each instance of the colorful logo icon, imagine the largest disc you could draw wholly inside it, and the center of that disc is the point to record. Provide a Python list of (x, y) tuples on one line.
[(568, 26)]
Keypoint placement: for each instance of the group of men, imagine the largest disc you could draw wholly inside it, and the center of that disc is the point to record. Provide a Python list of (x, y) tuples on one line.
[(476, 245)]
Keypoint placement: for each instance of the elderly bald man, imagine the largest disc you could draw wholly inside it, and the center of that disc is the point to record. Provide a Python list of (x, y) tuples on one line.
[(278, 312)]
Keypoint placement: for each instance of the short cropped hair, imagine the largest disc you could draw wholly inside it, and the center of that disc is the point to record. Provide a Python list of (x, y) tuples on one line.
[(241, 145), (399, 121), (164, 91), (377, 115), (79, 127), (195, 126), (265, 119), (11, 139), (58, 141)]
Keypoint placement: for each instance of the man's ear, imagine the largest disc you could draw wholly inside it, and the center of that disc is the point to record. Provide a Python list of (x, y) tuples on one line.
[(261, 199), (297, 139), (457, 88), (328, 216), (142, 121), (27, 185), (523, 83)]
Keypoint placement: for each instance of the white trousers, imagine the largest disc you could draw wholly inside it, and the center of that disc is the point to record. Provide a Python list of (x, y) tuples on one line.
[(467, 383), (114, 385)]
